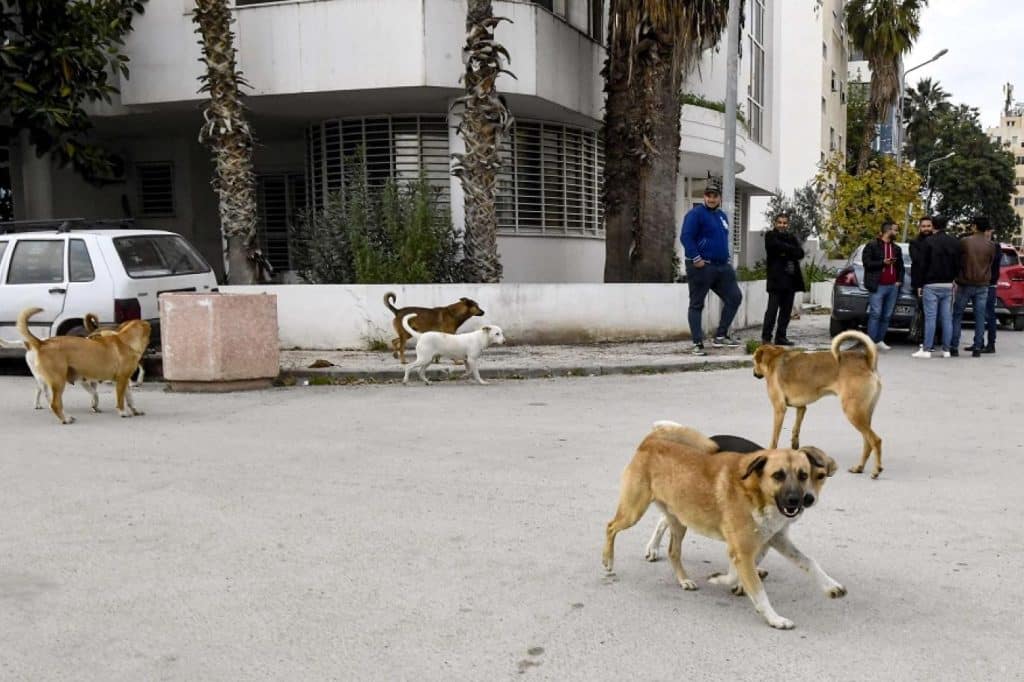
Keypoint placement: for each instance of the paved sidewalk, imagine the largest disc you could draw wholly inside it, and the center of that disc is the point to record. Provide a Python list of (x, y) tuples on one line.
[(524, 362)]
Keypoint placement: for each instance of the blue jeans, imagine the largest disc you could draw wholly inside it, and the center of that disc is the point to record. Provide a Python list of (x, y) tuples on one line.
[(938, 308), (978, 297), (990, 317), (880, 307), (721, 279)]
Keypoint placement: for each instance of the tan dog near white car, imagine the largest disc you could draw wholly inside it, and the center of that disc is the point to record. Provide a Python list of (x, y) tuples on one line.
[(797, 378), (746, 500), (60, 360), (466, 347), (93, 329)]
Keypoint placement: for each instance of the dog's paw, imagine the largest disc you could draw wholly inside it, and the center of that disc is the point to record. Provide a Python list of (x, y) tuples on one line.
[(780, 623), (722, 579), (856, 469), (835, 591), (484, 383), (125, 414), (651, 554), (688, 585), (609, 565), (738, 590), (138, 413), (97, 410), (68, 420), (877, 472)]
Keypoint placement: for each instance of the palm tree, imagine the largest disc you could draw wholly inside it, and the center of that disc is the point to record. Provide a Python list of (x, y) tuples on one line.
[(226, 131), (884, 30), (922, 109), (485, 122), (652, 46)]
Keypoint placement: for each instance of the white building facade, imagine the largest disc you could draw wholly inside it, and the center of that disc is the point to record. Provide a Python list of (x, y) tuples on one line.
[(330, 76), (1009, 134)]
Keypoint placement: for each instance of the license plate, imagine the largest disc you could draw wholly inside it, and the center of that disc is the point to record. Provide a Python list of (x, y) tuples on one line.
[(904, 310)]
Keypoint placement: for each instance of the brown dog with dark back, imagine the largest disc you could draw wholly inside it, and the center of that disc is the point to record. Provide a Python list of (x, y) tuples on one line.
[(445, 319)]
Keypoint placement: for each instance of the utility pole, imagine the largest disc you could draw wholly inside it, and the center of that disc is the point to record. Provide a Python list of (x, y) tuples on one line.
[(729, 158)]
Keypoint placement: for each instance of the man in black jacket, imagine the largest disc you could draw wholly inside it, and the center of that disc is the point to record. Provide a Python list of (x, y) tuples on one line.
[(883, 277), (935, 267), (784, 279), (990, 302), (925, 228)]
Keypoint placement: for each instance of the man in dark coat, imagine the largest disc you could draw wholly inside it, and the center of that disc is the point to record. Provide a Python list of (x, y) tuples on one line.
[(784, 279)]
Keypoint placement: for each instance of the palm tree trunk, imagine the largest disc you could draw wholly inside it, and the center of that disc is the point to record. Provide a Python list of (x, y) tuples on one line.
[(660, 104), (485, 122), (622, 179), (226, 131)]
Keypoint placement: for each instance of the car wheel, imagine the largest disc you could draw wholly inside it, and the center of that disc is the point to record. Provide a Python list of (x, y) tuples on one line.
[(77, 330), (1018, 323), (838, 326)]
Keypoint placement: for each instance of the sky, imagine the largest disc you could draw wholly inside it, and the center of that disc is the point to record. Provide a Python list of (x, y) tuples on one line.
[(984, 40)]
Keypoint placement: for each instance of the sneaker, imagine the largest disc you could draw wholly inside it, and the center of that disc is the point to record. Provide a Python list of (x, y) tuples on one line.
[(882, 345), (970, 349), (945, 354), (988, 349), (726, 340), (921, 354), (953, 352), (698, 349), (975, 353), (784, 342)]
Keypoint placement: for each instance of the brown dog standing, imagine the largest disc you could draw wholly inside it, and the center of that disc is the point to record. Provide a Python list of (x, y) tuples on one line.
[(797, 378), (107, 357), (445, 319), (747, 500)]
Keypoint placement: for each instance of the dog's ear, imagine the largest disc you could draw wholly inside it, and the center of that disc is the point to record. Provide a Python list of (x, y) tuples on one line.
[(756, 465), (818, 458)]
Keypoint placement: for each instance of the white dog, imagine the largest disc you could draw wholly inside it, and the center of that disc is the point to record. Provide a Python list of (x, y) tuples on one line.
[(466, 347)]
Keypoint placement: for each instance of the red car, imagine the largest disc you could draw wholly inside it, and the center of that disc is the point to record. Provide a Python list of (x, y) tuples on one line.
[(1009, 290)]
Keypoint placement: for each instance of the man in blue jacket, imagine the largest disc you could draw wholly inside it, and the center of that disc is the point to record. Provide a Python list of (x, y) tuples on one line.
[(705, 238)]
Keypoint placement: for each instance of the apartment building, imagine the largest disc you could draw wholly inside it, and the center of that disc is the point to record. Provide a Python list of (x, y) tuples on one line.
[(330, 76), (1010, 134)]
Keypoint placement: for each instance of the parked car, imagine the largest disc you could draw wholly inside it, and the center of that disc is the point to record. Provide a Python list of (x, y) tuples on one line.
[(1009, 291), (73, 267), (850, 298)]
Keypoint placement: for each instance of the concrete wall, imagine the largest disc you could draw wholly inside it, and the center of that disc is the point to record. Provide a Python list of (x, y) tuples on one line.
[(349, 316)]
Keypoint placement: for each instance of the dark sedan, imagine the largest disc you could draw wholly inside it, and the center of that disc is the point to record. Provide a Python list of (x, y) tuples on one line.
[(850, 298)]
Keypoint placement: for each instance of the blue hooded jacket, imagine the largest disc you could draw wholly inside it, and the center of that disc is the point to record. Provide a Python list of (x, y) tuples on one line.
[(705, 234)]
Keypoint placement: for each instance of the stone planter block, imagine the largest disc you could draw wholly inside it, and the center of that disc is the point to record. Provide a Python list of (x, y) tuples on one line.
[(219, 338)]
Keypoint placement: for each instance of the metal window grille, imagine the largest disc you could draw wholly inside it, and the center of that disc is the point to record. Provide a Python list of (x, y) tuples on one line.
[(736, 229), (755, 90), (394, 148), (279, 196), (550, 180), (156, 189)]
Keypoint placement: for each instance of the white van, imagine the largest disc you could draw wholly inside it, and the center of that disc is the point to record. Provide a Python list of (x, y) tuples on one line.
[(73, 267)]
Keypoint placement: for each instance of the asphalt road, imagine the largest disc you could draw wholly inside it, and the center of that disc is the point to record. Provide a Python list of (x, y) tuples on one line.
[(454, 532)]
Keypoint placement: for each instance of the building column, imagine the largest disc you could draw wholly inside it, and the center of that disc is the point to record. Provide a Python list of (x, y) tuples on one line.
[(456, 145), (32, 181)]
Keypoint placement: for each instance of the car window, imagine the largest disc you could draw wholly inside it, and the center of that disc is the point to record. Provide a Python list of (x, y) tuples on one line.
[(79, 264), (159, 256), (36, 261), (3, 247), (1009, 258)]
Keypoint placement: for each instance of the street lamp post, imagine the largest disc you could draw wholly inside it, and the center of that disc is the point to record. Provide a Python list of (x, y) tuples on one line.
[(899, 103), (928, 181)]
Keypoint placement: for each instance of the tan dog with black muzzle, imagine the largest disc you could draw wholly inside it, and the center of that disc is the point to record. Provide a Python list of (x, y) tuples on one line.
[(746, 500)]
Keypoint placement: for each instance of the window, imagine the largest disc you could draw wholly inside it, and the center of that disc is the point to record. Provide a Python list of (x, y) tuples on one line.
[(596, 20), (1020, 160), (823, 105), (156, 189), (279, 199), (832, 139), (37, 261), (835, 83), (1018, 201), (394, 148), (550, 180), (79, 264), (755, 90), (158, 256), (546, 4), (824, 49), (3, 247)]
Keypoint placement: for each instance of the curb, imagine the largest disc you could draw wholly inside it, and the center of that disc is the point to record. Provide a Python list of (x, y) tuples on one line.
[(335, 375)]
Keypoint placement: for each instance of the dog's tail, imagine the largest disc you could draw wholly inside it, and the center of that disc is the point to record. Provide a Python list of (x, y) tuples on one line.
[(405, 323), (389, 301), (31, 341), (869, 346), (91, 323)]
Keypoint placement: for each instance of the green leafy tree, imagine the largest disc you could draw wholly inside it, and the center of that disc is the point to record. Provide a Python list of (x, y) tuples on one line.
[(977, 178), (804, 210), (56, 57), (855, 205), (884, 30), (856, 123)]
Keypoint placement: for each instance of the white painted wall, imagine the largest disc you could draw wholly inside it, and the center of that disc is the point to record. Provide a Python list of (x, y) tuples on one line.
[(348, 316), (552, 259)]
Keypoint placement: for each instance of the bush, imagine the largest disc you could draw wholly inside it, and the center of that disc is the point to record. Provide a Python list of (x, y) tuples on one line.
[(758, 271), (396, 234)]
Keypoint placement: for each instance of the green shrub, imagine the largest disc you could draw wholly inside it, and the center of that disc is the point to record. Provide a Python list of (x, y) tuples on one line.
[(758, 270)]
